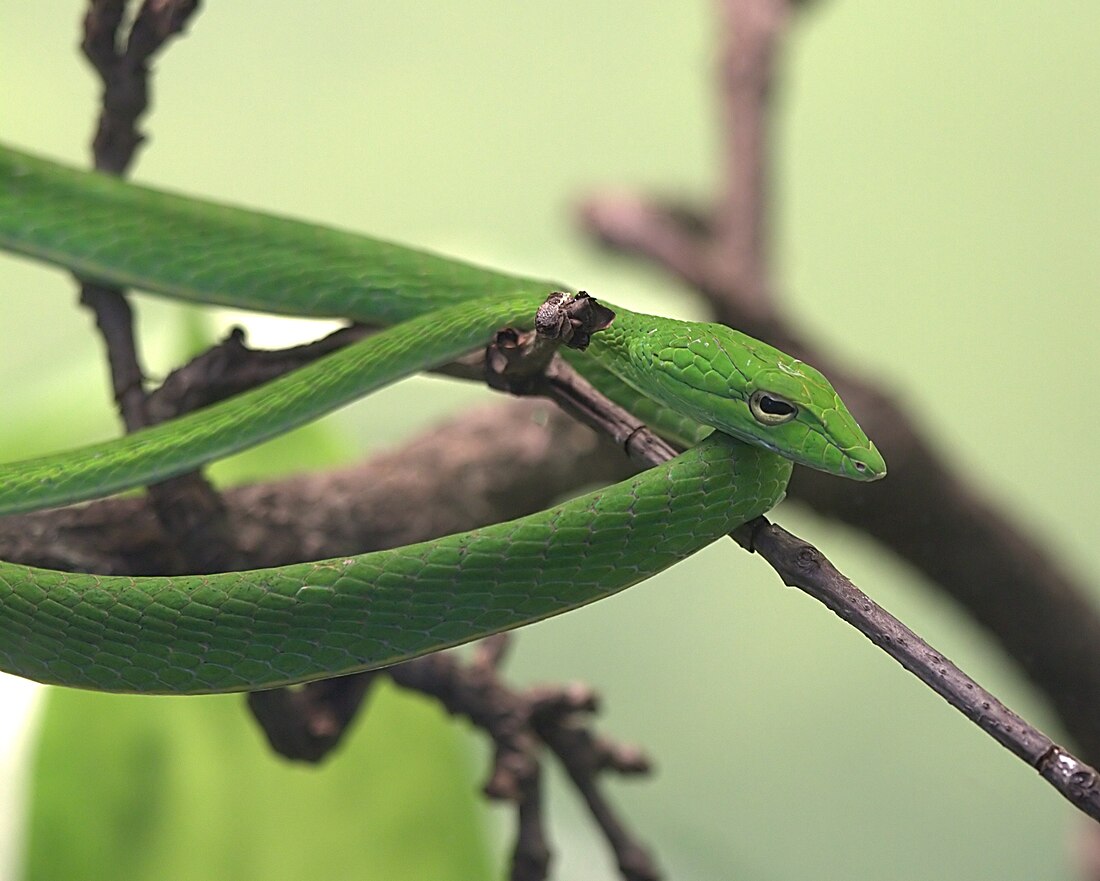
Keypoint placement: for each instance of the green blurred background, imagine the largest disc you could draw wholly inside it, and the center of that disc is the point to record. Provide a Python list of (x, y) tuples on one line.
[(936, 207)]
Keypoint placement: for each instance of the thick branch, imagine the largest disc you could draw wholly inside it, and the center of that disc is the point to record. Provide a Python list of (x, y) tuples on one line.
[(494, 463), (752, 29)]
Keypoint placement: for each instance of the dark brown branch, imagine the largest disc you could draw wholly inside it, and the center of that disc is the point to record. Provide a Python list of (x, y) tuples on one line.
[(187, 504), (584, 756), (306, 724), (519, 723), (494, 463), (232, 367), (477, 693), (925, 511), (115, 321), (122, 62)]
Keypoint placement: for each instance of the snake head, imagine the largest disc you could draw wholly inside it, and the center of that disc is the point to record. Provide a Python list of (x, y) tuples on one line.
[(756, 393)]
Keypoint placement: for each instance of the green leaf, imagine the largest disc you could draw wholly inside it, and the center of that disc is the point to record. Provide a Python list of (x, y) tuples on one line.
[(169, 788)]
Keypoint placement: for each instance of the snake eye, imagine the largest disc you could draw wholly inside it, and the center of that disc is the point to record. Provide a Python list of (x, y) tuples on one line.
[(769, 409)]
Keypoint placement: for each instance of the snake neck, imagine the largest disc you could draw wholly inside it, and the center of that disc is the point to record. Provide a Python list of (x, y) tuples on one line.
[(616, 347)]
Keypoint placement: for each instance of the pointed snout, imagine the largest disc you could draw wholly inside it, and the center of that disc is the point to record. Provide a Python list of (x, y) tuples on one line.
[(864, 463)]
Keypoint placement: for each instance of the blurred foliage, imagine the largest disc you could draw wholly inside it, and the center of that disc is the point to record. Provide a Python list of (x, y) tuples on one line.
[(189, 790)]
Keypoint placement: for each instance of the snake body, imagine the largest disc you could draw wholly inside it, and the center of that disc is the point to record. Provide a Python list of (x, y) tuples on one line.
[(259, 629)]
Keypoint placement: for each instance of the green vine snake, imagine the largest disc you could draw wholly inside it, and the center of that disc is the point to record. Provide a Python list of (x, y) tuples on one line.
[(749, 410)]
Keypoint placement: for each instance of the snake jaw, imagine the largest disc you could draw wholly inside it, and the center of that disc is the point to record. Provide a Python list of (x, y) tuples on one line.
[(712, 373)]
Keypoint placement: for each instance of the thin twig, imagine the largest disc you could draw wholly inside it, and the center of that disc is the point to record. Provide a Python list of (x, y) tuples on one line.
[(801, 565), (583, 756)]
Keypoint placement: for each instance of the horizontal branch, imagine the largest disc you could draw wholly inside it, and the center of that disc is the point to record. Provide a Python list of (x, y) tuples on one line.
[(493, 463)]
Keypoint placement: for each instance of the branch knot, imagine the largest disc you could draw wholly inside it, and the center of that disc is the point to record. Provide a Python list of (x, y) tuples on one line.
[(572, 318)]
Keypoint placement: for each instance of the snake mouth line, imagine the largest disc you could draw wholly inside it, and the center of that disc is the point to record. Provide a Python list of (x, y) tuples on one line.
[(864, 464)]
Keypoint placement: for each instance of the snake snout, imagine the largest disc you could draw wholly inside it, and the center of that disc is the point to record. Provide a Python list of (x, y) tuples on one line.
[(865, 463)]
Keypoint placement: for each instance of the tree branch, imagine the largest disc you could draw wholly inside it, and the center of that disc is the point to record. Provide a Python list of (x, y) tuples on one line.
[(187, 504)]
